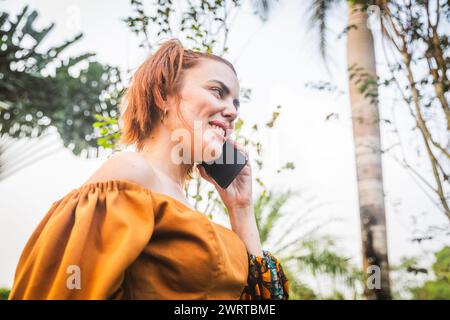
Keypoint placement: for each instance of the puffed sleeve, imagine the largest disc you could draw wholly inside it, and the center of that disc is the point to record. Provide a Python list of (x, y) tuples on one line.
[(85, 242), (266, 279)]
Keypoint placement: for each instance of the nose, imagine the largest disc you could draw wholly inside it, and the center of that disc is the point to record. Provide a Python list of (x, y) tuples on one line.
[(229, 111)]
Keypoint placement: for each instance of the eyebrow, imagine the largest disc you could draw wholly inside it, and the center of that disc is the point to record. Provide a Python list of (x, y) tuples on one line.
[(227, 91)]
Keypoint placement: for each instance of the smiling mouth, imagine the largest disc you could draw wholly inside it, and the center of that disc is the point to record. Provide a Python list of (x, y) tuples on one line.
[(218, 130)]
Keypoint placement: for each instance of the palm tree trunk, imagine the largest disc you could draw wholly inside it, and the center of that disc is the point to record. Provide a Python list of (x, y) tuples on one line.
[(366, 134)]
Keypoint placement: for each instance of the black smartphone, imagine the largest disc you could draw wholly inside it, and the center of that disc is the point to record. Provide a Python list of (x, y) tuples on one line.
[(227, 166)]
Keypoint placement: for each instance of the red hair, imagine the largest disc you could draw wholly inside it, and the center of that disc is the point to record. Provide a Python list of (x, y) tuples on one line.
[(160, 76)]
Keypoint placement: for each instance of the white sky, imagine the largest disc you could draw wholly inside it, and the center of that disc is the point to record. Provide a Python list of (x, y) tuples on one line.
[(275, 60)]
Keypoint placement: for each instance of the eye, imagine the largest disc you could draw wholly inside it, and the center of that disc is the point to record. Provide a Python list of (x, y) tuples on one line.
[(218, 90)]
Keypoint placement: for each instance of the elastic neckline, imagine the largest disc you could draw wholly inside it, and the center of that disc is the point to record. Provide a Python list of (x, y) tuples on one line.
[(121, 184), (130, 185)]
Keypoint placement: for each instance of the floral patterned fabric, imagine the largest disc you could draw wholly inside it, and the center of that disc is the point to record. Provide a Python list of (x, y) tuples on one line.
[(266, 279)]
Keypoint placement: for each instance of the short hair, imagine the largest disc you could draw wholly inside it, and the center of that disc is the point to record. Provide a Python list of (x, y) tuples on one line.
[(160, 76)]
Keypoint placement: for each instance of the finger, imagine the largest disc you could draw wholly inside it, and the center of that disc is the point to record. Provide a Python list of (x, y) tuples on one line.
[(239, 147), (205, 175), (243, 150)]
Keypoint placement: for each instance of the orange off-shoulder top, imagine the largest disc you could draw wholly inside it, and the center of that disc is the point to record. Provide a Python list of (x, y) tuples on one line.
[(119, 240)]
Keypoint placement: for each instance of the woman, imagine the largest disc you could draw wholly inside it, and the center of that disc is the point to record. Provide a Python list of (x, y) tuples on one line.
[(129, 231)]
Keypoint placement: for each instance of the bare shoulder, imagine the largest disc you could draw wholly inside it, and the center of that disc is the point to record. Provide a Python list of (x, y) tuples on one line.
[(125, 165)]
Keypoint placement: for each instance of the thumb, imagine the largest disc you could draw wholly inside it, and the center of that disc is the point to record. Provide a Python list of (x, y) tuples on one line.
[(203, 173)]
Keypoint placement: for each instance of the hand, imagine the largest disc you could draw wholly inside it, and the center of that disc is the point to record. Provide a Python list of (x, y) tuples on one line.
[(238, 194)]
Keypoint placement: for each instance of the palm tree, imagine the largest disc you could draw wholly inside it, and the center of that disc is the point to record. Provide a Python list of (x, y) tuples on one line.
[(366, 134)]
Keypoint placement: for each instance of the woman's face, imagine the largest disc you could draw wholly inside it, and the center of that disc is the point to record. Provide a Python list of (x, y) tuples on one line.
[(205, 102)]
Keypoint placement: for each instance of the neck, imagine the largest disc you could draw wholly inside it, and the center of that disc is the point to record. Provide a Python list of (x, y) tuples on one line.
[(157, 150)]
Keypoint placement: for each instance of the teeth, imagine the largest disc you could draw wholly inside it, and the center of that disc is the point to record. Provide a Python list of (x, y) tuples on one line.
[(222, 132)]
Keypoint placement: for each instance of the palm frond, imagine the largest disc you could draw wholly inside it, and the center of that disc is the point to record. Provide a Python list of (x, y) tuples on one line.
[(275, 212), (319, 15), (320, 258), (262, 8)]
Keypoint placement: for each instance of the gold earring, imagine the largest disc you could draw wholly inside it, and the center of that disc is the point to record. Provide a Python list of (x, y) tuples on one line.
[(164, 114)]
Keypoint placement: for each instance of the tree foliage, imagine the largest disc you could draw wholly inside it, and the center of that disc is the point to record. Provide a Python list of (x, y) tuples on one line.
[(41, 90), (439, 288)]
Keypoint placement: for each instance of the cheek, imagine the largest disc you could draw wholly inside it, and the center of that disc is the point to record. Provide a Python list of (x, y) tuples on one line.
[(201, 102), (192, 109), (198, 109), (204, 143)]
